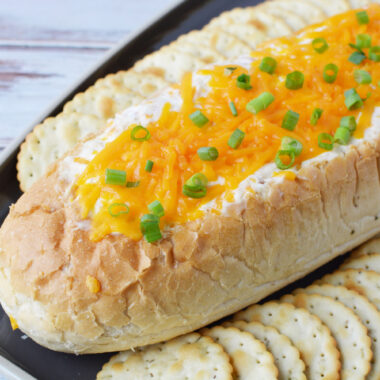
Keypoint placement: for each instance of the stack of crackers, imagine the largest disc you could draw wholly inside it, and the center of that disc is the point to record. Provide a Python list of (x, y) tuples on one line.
[(329, 330), (233, 33)]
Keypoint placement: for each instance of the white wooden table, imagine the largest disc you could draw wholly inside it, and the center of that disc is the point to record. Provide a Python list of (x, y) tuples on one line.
[(47, 45)]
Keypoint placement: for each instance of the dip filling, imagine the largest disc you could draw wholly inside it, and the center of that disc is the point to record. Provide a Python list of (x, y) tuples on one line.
[(171, 159)]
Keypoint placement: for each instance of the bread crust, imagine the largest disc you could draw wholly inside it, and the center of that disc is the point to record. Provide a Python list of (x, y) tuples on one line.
[(201, 271)]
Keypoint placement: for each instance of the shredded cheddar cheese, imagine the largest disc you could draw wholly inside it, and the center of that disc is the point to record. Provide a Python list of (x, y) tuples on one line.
[(14, 324), (174, 138), (93, 284)]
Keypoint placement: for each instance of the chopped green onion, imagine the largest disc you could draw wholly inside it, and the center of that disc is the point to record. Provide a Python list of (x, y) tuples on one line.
[(198, 118), (244, 81), (352, 99), (278, 160), (132, 184), (362, 77), (268, 65), (356, 47), (150, 228), (294, 80), (233, 108), (292, 145), (315, 116), (136, 130), (156, 208), (236, 138), (330, 72), (208, 153), (320, 45), (116, 177), (290, 120), (362, 17), (357, 57), (363, 41), (196, 186), (260, 103), (229, 70), (149, 166), (348, 122), (374, 53), (342, 136), (325, 141), (121, 207)]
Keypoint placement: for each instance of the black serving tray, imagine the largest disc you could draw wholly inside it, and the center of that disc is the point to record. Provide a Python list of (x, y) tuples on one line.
[(35, 360)]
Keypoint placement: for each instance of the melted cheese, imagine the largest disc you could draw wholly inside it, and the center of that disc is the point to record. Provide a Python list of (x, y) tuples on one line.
[(175, 139)]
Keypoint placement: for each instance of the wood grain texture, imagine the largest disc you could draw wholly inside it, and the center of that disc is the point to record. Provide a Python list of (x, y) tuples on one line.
[(45, 46)]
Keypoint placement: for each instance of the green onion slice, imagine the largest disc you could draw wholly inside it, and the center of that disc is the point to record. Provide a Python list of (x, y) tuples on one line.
[(374, 53), (116, 177), (294, 80), (150, 228), (244, 81), (279, 161), (362, 17), (136, 131), (117, 209), (362, 77), (198, 118), (260, 103), (320, 45), (356, 47), (229, 70), (196, 186), (268, 65), (316, 115), (156, 208), (236, 138), (292, 145), (149, 166), (325, 141), (342, 136), (132, 184), (352, 99), (330, 72), (208, 153), (290, 120), (363, 41), (233, 108), (357, 57), (348, 122)]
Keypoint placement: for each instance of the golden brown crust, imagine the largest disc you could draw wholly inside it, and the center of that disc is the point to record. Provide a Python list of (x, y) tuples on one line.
[(200, 272)]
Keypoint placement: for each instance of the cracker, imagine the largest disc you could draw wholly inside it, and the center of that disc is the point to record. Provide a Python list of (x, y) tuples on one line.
[(224, 43), (169, 64), (331, 8), (371, 246), (51, 140), (308, 11), (364, 309), (348, 330), (248, 355), (366, 283), (102, 102), (306, 331), (270, 25), (206, 53), (292, 19), (286, 357), (144, 84), (187, 357), (366, 262)]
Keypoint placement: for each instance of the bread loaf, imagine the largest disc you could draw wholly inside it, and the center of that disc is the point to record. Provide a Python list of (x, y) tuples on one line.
[(77, 278)]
